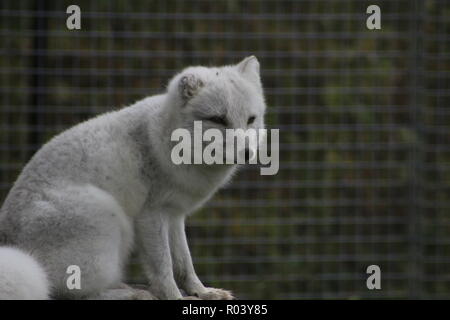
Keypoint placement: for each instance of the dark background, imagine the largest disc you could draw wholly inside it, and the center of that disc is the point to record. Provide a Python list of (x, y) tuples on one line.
[(364, 119)]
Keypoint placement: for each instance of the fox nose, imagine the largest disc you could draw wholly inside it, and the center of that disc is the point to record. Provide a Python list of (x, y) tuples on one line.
[(247, 154)]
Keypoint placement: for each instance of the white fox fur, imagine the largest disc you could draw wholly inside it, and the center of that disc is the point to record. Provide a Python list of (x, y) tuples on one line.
[(21, 277), (107, 185)]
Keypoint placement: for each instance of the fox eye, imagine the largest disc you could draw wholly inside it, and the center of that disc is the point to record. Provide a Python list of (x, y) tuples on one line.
[(251, 120), (218, 119)]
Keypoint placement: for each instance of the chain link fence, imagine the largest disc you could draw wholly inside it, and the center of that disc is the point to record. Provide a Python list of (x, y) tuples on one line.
[(364, 119)]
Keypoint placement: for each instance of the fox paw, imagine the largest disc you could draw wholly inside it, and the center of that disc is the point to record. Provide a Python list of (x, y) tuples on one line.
[(216, 294)]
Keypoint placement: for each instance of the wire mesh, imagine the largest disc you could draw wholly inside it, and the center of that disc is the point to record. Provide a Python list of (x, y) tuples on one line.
[(363, 115)]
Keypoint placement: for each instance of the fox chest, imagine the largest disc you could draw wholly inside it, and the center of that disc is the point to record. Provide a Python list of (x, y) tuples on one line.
[(186, 201)]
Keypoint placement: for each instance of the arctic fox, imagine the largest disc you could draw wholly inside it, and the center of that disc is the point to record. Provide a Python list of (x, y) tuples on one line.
[(107, 185)]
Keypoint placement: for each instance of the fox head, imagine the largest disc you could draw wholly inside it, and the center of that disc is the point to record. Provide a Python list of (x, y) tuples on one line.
[(220, 98)]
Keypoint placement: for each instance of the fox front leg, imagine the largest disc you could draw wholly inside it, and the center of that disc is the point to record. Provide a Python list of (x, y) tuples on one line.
[(183, 268), (153, 237)]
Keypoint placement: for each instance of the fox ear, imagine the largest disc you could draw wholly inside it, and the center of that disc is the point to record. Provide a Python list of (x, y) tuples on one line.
[(189, 85), (249, 68)]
